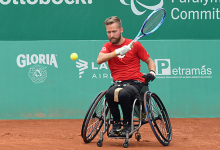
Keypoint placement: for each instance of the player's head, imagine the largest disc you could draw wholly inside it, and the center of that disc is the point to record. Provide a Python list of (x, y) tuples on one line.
[(114, 29), (113, 19)]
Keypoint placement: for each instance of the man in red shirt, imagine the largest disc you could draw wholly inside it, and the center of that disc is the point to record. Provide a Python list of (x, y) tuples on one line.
[(124, 64)]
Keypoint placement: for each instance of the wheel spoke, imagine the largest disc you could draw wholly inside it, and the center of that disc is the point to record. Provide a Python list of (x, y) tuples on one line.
[(159, 120), (94, 121)]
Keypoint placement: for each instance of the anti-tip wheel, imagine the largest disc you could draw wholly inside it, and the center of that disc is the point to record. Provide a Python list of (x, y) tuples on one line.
[(99, 143), (137, 136), (125, 144)]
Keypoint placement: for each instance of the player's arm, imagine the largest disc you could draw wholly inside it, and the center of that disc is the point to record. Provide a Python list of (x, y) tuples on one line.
[(103, 57), (150, 64)]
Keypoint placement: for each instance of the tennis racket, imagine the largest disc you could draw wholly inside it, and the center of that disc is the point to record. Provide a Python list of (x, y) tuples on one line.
[(151, 24)]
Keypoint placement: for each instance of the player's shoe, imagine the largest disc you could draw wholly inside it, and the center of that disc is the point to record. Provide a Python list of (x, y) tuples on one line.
[(126, 129), (115, 129)]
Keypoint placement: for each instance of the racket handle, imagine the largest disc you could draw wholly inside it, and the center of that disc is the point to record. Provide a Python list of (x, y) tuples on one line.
[(131, 44)]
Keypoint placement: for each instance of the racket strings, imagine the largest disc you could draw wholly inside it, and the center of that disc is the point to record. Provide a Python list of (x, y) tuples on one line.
[(153, 22)]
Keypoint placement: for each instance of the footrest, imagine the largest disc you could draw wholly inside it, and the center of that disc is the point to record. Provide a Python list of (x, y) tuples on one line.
[(119, 136)]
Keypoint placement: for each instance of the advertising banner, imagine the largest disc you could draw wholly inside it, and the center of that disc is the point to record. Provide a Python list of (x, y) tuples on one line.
[(39, 80), (83, 19)]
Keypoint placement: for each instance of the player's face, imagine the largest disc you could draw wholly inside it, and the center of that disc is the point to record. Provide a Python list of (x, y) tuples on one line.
[(114, 33)]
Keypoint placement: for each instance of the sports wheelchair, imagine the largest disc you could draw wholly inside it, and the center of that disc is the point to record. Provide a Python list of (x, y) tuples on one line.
[(147, 108)]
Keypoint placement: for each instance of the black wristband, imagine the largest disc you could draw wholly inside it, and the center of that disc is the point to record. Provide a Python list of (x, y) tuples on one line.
[(153, 71)]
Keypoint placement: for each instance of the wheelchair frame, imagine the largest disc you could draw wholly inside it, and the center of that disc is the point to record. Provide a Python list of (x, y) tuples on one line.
[(152, 106)]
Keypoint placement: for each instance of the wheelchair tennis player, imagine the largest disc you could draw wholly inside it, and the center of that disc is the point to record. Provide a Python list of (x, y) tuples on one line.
[(124, 64)]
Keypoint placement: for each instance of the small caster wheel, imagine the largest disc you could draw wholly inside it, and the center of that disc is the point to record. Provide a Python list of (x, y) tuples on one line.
[(125, 144), (99, 143), (138, 136)]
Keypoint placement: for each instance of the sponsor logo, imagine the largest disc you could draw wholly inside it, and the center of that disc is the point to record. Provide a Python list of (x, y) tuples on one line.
[(136, 11), (162, 66), (164, 70), (82, 65), (45, 2), (121, 56), (37, 72), (203, 10)]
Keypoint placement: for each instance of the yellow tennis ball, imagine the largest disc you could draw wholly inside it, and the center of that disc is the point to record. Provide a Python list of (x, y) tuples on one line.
[(73, 56)]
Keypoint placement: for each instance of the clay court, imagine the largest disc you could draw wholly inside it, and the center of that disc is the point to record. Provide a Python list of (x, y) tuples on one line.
[(193, 133)]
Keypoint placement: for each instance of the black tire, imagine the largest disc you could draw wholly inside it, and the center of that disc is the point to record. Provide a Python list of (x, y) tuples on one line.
[(126, 144), (99, 143), (158, 118), (137, 136), (94, 120), (90, 107)]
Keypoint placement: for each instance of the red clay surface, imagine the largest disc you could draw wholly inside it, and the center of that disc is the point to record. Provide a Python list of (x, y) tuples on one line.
[(195, 134)]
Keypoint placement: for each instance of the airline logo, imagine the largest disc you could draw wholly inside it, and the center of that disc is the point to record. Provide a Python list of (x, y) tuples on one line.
[(82, 65)]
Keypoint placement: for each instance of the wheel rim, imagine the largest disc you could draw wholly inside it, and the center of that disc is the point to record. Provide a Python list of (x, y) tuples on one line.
[(86, 116), (158, 118), (95, 119), (161, 118)]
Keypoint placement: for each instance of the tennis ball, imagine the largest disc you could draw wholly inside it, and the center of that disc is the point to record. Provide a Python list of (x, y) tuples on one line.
[(73, 56)]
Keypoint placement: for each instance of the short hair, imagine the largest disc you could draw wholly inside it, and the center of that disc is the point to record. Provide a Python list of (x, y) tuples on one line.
[(113, 19)]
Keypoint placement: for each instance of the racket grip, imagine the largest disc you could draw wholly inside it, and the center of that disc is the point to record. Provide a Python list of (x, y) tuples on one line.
[(131, 44)]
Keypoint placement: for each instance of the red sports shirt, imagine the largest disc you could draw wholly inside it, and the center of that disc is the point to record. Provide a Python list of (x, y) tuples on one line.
[(126, 67)]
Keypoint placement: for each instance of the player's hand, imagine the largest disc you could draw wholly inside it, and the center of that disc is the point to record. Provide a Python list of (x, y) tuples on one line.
[(123, 50), (149, 77)]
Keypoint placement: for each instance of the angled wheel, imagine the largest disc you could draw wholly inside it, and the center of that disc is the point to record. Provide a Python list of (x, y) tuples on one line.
[(94, 120), (87, 113), (158, 118)]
